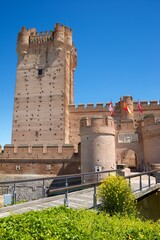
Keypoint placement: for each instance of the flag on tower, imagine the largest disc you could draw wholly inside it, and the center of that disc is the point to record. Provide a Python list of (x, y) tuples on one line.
[(126, 108), (140, 107), (111, 108)]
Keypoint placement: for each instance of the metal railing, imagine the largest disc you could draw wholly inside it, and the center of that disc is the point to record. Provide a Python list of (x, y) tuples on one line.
[(54, 185), (151, 179), (74, 182)]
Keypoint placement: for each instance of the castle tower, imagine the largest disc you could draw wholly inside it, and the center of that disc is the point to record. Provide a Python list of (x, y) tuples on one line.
[(151, 140), (44, 86), (97, 144), (129, 102)]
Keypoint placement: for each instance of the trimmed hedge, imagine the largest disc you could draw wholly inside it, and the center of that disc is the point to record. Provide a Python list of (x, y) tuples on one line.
[(62, 223)]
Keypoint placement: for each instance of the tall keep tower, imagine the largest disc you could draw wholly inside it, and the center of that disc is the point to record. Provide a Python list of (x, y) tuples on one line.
[(44, 86)]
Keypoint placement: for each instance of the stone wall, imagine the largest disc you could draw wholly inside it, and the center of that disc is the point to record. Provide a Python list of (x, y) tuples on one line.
[(24, 191)]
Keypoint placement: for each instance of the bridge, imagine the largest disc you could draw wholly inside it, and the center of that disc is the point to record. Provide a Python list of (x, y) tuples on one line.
[(77, 190)]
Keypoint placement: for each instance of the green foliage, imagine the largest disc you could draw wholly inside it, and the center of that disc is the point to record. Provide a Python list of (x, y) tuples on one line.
[(22, 201), (116, 196), (63, 223)]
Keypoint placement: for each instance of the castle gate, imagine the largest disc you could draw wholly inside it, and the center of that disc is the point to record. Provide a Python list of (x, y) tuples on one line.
[(129, 158)]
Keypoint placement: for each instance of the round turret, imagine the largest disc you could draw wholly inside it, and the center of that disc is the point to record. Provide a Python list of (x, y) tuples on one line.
[(68, 36), (126, 104), (23, 41), (59, 32), (97, 144), (151, 138)]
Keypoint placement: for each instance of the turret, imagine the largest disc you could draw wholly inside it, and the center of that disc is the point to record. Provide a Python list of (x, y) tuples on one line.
[(126, 102), (59, 33), (151, 139), (62, 34), (68, 34), (97, 144), (23, 41)]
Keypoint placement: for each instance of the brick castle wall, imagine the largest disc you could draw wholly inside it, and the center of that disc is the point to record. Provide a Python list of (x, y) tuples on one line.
[(50, 160)]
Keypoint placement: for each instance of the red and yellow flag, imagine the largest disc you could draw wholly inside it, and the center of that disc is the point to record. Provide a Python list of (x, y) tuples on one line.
[(126, 108)]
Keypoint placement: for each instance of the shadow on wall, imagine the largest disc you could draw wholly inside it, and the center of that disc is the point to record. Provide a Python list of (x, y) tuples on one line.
[(66, 169), (129, 158)]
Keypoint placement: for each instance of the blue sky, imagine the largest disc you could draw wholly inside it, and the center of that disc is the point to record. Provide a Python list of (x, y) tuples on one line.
[(118, 44)]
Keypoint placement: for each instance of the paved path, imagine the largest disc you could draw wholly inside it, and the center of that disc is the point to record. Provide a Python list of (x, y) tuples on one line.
[(78, 199)]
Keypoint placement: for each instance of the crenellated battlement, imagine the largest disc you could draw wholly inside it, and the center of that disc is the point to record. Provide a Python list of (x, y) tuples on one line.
[(150, 122), (38, 151), (98, 125), (27, 37), (146, 105), (89, 107), (42, 37), (62, 29), (96, 121)]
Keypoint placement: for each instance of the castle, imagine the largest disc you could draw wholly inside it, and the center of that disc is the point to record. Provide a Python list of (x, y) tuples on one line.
[(50, 135)]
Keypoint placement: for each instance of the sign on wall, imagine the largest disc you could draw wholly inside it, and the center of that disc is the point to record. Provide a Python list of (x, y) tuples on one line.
[(127, 137)]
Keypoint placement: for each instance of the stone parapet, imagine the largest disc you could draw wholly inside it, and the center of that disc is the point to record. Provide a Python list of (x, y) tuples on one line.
[(89, 107), (37, 151), (97, 124)]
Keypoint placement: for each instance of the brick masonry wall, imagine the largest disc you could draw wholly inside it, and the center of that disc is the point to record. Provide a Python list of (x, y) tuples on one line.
[(39, 160), (44, 87)]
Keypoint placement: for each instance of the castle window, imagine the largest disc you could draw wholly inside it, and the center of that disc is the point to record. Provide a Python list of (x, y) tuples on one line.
[(40, 72), (36, 133)]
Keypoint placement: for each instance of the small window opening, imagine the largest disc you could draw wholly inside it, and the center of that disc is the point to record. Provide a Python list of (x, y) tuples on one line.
[(40, 72), (36, 133)]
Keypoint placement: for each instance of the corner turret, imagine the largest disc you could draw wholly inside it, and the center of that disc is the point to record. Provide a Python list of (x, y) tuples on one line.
[(23, 41), (151, 138), (62, 34)]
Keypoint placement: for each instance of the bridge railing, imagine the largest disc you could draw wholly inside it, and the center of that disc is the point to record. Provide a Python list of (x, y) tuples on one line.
[(142, 180), (35, 188), (66, 183)]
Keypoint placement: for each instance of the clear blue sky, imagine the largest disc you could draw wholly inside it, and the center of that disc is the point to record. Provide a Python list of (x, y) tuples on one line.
[(118, 43)]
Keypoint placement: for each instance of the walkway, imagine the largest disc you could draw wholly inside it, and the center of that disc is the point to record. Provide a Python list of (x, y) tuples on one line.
[(78, 199)]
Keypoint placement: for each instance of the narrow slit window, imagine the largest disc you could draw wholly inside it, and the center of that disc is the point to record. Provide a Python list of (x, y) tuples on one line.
[(40, 72)]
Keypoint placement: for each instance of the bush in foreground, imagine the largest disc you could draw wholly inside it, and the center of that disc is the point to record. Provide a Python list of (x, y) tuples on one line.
[(63, 223), (116, 196)]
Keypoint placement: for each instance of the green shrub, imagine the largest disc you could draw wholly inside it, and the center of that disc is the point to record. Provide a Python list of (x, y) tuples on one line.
[(62, 223), (116, 196)]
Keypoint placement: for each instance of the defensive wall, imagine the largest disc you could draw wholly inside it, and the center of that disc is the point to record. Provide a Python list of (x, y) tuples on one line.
[(135, 143), (39, 159), (147, 106), (88, 110)]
